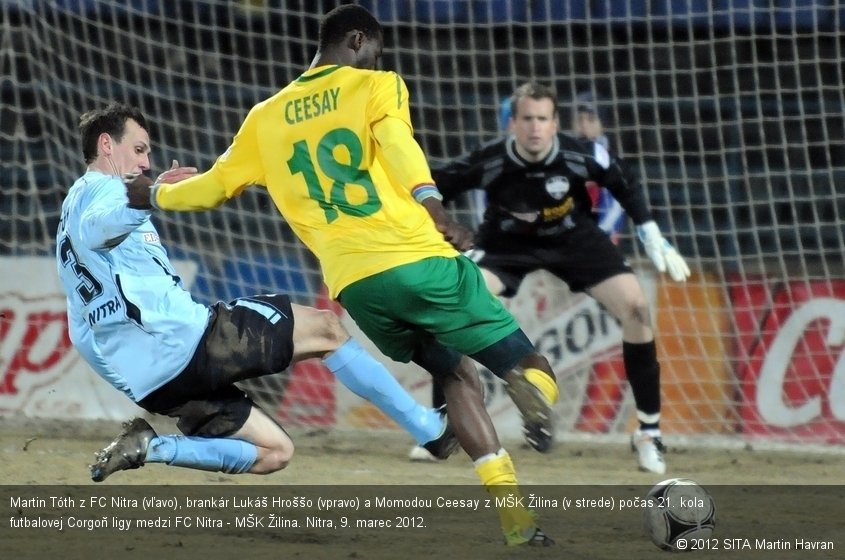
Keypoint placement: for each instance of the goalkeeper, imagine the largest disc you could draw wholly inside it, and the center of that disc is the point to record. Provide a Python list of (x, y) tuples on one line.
[(539, 216), (335, 149), (132, 320)]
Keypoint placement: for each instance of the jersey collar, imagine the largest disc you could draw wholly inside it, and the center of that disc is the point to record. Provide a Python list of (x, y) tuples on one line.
[(510, 148), (317, 72)]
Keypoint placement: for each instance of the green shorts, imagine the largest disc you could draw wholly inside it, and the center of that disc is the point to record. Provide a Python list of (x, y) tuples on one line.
[(443, 297)]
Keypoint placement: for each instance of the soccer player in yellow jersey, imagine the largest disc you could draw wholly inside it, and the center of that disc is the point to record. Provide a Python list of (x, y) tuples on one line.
[(335, 149)]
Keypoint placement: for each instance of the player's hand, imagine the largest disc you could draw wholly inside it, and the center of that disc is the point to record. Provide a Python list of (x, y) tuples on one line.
[(661, 252), (138, 191), (176, 173), (460, 237)]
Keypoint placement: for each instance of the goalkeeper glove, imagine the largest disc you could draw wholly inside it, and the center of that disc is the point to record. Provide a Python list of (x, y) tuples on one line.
[(661, 252)]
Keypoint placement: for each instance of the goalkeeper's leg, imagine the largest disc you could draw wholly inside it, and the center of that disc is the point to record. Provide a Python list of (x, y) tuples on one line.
[(623, 297)]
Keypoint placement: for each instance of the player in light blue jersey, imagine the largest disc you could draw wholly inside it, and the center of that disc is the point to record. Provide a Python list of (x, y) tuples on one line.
[(133, 321)]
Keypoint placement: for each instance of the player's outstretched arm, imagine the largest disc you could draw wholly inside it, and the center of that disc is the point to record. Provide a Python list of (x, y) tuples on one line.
[(664, 256)]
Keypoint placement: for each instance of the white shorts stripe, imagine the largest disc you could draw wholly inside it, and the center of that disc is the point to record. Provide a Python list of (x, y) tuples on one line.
[(271, 313)]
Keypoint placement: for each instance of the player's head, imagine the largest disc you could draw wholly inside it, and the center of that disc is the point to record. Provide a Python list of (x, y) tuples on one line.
[(352, 33), (586, 121), (116, 137), (534, 120)]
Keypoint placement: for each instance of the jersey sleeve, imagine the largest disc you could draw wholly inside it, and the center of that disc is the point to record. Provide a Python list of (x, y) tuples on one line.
[(237, 168), (107, 220), (390, 123), (619, 179), (240, 165), (389, 98)]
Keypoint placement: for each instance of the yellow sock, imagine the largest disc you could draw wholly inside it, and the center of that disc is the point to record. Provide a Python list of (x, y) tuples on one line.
[(498, 476), (544, 382)]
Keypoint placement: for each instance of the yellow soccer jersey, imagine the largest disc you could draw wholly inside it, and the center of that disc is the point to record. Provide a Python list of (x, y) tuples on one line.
[(312, 145)]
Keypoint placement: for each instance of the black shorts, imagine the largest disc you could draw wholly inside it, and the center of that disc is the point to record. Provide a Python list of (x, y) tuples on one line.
[(246, 338), (582, 257)]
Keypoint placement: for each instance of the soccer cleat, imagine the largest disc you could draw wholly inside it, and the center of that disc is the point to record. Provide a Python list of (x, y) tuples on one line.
[(649, 449), (539, 538), (420, 454), (447, 443), (127, 451), (535, 410)]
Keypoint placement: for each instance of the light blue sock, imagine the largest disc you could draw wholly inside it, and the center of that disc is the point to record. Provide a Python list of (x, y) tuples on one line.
[(368, 378), (226, 455)]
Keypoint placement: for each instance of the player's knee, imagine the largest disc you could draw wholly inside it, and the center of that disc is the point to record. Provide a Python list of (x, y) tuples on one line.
[(535, 360), (317, 332), (331, 328), (273, 459), (636, 311), (465, 372)]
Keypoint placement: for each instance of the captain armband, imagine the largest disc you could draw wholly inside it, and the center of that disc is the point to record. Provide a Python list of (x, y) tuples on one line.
[(421, 192)]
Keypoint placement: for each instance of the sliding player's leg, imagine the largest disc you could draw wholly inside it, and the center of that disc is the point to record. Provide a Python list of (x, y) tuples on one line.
[(282, 333), (319, 334), (225, 433)]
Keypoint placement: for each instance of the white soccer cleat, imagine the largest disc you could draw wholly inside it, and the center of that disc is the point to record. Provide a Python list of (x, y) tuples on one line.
[(649, 449), (420, 454)]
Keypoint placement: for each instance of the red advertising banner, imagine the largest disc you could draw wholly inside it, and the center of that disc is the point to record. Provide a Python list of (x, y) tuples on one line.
[(790, 339)]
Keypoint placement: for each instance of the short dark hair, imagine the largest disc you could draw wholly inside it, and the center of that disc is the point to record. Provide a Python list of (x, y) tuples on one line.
[(343, 19), (111, 120), (534, 91)]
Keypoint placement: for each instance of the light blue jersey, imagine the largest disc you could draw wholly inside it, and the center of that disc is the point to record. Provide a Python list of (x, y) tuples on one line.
[(128, 313)]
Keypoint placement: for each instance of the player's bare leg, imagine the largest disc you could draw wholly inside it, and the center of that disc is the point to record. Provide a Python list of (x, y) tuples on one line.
[(274, 446), (532, 386), (623, 297), (477, 435)]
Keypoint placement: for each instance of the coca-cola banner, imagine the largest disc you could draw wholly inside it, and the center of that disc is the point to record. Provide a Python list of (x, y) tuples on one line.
[(790, 344), (41, 375)]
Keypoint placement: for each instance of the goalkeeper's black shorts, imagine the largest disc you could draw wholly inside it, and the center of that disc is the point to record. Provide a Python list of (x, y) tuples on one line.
[(582, 257)]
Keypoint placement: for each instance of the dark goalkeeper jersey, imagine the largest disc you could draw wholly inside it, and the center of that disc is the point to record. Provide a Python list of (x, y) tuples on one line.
[(543, 199)]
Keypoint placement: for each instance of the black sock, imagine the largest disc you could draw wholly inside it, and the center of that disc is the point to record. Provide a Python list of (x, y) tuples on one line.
[(643, 373)]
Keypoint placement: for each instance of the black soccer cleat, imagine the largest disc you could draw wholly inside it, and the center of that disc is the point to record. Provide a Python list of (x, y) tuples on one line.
[(535, 410), (127, 451), (540, 539), (447, 443)]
